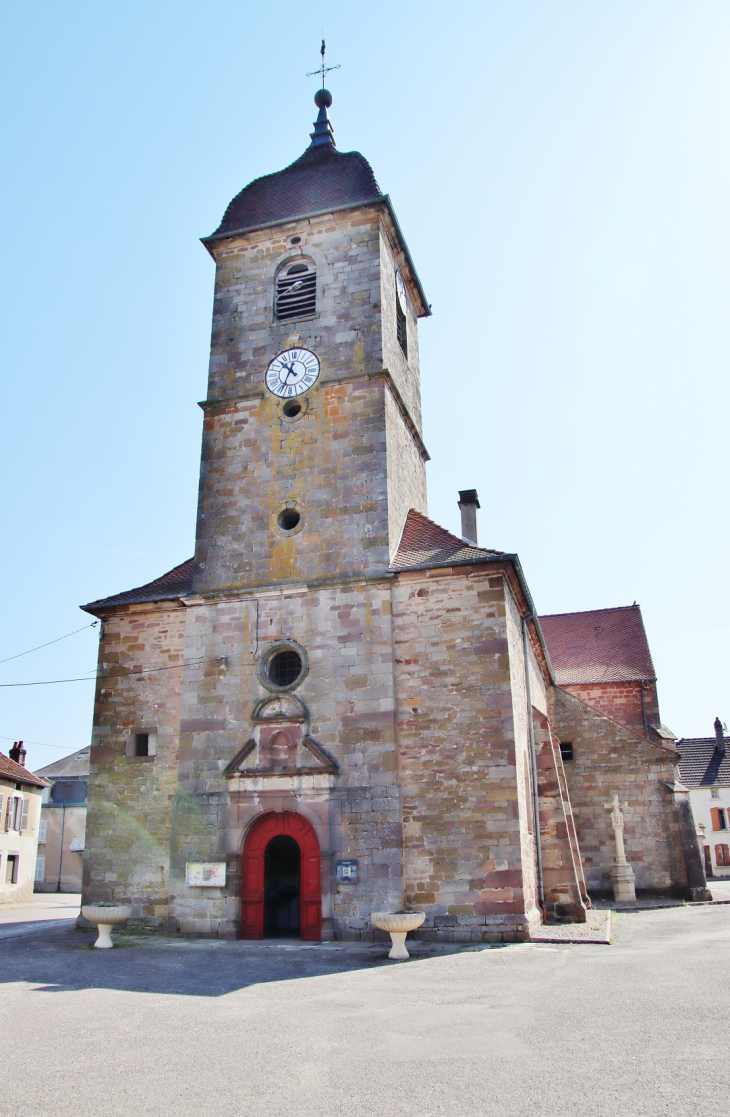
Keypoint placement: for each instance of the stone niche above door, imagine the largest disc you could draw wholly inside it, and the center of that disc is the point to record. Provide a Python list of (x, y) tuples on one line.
[(280, 743)]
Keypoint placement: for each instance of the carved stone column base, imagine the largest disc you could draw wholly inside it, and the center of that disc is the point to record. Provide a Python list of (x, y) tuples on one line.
[(623, 878)]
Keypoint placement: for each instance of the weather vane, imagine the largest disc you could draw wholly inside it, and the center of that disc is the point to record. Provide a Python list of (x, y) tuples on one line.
[(322, 69)]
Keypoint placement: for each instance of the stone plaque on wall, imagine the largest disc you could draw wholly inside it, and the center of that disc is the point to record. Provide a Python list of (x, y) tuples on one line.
[(206, 874)]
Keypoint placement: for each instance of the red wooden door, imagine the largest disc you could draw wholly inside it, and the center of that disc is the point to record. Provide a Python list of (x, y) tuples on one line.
[(265, 828)]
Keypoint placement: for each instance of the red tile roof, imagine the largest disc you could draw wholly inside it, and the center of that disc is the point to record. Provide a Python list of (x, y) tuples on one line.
[(598, 646), (424, 544), (176, 583), (320, 180), (9, 770)]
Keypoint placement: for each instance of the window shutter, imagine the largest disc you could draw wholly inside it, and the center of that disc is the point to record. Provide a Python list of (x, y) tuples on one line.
[(9, 812), (715, 815), (42, 827), (40, 868), (24, 815)]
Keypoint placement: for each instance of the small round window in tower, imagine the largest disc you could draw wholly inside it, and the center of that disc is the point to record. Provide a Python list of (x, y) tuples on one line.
[(285, 668), (295, 240), (288, 519), (292, 408)]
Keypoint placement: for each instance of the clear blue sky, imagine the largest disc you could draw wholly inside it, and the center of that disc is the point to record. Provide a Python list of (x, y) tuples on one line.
[(561, 172)]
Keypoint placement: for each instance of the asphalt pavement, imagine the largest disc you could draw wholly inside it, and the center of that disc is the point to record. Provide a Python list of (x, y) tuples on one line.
[(183, 1027)]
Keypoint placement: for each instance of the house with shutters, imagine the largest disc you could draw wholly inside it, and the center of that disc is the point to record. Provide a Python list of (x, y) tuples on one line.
[(62, 834), (705, 770), (20, 812)]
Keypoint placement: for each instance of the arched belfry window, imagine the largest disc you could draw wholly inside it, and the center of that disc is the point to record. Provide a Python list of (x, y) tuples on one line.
[(296, 290)]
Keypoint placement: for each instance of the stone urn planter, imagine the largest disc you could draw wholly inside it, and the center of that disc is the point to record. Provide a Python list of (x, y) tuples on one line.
[(106, 916), (398, 924)]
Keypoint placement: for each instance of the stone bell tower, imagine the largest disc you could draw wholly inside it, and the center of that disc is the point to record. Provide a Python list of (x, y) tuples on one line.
[(312, 457), (314, 478)]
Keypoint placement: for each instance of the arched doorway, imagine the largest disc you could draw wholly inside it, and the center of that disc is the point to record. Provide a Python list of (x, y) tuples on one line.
[(270, 876)]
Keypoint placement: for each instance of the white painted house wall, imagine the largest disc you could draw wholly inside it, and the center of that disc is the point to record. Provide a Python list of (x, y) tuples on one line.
[(703, 802), (18, 839)]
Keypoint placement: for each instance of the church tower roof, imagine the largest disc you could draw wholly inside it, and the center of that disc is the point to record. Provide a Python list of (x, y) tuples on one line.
[(319, 181), (322, 180)]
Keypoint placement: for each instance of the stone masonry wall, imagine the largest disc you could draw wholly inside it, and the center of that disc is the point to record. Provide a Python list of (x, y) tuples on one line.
[(345, 633), (463, 853), (523, 766), (621, 702), (406, 475), (330, 464), (610, 759), (404, 370), (345, 330), (128, 818)]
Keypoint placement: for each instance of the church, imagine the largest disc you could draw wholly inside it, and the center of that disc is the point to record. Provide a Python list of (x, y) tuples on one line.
[(336, 706)]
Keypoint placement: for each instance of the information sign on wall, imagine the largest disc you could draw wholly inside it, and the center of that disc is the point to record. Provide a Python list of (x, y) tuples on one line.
[(206, 874), (347, 872)]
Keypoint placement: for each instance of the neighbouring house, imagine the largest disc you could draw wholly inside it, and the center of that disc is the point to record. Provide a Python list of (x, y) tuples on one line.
[(20, 812), (63, 824), (705, 770)]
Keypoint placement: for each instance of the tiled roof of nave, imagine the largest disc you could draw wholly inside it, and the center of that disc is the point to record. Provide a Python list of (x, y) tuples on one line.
[(598, 646)]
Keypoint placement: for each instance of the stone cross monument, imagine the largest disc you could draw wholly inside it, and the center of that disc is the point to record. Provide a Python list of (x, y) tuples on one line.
[(622, 874)]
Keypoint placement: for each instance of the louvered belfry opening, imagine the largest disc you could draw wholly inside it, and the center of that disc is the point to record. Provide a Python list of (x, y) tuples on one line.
[(401, 329), (296, 291)]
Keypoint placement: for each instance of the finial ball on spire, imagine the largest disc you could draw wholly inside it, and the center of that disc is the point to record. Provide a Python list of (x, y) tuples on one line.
[(323, 97)]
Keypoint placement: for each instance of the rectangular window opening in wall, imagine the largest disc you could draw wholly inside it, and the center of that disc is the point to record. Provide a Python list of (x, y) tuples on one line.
[(11, 869), (719, 818), (401, 327), (142, 743), (715, 793), (722, 855), (566, 750)]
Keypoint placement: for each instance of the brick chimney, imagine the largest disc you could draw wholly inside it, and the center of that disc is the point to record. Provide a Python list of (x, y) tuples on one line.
[(468, 504), (18, 753), (719, 737)]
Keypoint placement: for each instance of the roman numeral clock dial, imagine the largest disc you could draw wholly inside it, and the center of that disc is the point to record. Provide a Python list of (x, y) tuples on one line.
[(292, 372)]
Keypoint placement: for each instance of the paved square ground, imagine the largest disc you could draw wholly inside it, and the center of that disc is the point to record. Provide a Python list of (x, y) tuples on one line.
[(154, 1027)]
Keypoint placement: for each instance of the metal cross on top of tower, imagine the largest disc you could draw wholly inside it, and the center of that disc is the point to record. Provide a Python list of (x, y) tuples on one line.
[(322, 69)]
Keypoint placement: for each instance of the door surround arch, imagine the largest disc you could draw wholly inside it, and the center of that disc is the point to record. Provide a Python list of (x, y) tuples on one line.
[(270, 825)]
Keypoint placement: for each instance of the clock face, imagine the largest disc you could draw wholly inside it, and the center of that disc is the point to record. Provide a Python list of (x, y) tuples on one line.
[(294, 371), (401, 291)]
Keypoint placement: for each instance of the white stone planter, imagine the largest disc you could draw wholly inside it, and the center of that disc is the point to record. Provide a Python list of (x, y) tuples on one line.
[(398, 924), (106, 916)]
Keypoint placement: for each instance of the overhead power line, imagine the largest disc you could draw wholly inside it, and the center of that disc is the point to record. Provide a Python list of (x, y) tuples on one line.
[(48, 644), (109, 675), (41, 744)]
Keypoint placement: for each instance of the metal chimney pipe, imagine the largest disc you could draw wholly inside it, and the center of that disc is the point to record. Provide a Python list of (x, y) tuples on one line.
[(719, 737), (468, 504)]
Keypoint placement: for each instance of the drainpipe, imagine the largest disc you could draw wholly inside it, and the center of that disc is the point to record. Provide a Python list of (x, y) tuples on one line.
[(60, 855), (643, 709), (533, 759)]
